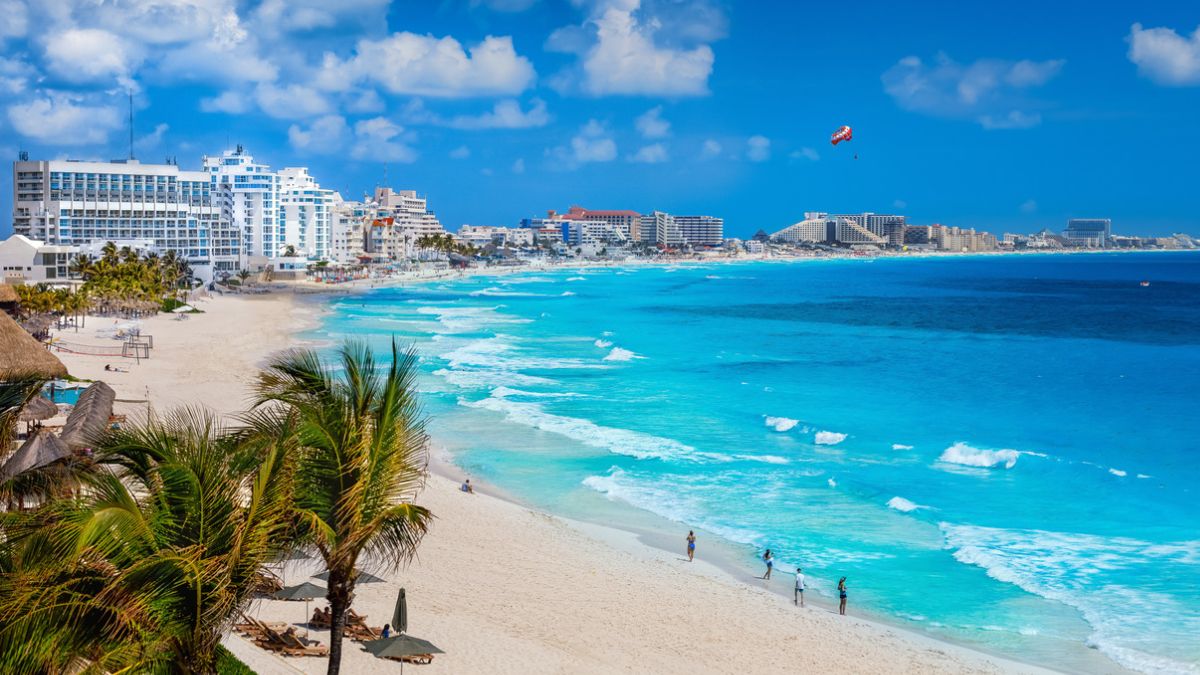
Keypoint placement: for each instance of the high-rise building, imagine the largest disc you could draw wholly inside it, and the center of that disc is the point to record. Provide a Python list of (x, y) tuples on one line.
[(306, 212), (71, 203), (1092, 232), (658, 227), (399, 219), (249, 196), (622, 220), (815, 228), (701, 230)]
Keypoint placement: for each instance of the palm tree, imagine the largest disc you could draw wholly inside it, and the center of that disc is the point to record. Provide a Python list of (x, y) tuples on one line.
[(81, 266), (149, 567), (361, 460), (109, 253)]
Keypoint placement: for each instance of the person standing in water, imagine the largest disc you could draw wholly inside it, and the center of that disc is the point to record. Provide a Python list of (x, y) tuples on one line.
[(842, 596), (798, 594), (770, 561), (691, 540)]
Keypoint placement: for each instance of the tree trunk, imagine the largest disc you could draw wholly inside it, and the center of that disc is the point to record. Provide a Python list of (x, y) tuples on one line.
[(339, 603)]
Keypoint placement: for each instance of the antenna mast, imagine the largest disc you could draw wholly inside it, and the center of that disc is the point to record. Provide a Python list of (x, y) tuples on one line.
[(130, 123)]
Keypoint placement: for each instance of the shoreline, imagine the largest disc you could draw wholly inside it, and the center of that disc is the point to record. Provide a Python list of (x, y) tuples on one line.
[(190, 367)]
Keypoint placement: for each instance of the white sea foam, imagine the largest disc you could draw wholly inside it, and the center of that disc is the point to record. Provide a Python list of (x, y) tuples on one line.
[(603, 344), (566, 294), (1142, 475), (901, 446), (486, 378), (766, 459), (781, 423), (832, 482), (965, 455), (505, 392), (500, 292), (829, 438), (619, 441), (1118, 472), (576, 278), (1094, 574), (618, 354), (903, 505), (468, 319)]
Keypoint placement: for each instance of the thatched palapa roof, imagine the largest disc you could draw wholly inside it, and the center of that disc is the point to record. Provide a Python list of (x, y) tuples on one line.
[(23, 356), (90, 417), (42, 450), (8, 294), (38, 408)]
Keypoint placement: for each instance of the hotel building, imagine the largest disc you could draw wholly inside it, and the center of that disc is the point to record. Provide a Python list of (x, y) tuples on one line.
[(306, 215), (69, 203), (248, 193), (1090, 232)]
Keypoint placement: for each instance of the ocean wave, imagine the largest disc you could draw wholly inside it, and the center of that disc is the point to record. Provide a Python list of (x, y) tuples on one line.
[(1118, 472), (468, 319), (1095, 575), (829, 438), (903, 505), (901, 446), (603, 344), (766, 459), (487, 378), (965, 455), (832, 483), (576, 278), (618, 441), (566, 294), (505, 392), (781, 423), (618, 354), (500, 353)]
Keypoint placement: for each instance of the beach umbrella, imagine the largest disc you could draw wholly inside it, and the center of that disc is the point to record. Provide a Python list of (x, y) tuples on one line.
[(88, 420), (23, 356), (42, 450), (305, 592), (400, 614), (360, 577), (399, 646)]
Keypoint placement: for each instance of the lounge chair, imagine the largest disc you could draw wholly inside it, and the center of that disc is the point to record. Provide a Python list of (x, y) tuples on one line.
[(294, 646)]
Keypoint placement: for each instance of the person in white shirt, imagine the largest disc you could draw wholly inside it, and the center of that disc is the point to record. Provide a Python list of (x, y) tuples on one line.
[(799, 593)]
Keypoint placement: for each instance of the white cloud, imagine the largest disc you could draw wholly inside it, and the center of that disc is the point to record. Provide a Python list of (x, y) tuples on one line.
[(1029, 206), (290, 102), (1015, 119), (1165, 56), (210, 62), (650, 124), (14, 19), (88, 55), (461, 152), (654, 153), (326, 135), (15, 75), (367, 101), (989, 91), (381, 140), (758, 148), (152, 139), (506, 114), (422, 65), (231, 102), (63, 119), (591, 144), (805, 153), (710, 149), (518, 166), (620, 53)]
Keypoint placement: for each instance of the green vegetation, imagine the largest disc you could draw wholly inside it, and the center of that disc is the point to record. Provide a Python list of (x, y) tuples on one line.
[(228, 664), (141, 559), (446, 244)]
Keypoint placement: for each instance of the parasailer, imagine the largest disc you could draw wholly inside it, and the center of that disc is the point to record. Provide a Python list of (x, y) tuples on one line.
[(842, 134)]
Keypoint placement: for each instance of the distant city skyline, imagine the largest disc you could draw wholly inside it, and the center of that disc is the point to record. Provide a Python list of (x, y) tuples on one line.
[(499, 110)]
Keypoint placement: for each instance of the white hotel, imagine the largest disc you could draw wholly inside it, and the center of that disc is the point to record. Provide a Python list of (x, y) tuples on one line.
[(306, 211), (249, 196), (68, 203)]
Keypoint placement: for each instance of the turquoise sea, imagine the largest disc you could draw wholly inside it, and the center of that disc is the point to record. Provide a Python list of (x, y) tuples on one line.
[(999, 451)]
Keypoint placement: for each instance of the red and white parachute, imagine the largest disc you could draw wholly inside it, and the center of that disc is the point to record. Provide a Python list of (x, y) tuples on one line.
[(842, 134)]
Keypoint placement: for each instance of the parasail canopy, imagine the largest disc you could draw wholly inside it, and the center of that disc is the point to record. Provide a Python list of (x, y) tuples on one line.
[(842, 134)]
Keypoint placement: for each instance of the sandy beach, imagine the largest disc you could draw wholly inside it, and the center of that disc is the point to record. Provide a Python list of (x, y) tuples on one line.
[(506, 589)]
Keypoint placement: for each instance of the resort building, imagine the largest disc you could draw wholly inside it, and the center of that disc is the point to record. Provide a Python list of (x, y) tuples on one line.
[(701, 230), (485, 235), (962, 240), (822, 228), (1089, 232), (399, 220), (658, 227), (26, 261), (248, 193), (545, 230), (70, 202), (306, 215), (624, 221)]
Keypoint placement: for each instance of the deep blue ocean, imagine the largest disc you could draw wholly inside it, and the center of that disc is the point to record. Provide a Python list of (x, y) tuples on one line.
[(1000, 451)]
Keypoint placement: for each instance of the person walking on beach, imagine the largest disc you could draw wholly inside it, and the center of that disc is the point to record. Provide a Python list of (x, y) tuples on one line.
[(770, 561), (798, 594), (691, 545), (842, 596)]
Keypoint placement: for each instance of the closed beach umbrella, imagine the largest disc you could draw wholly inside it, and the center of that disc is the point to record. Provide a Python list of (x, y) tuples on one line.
[(89, 419), (360, 577), (23, 356), (305, 591), (400, 614), (400, 646)]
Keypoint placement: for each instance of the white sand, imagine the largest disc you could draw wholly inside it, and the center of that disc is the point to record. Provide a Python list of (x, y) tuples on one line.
[(504, 589)]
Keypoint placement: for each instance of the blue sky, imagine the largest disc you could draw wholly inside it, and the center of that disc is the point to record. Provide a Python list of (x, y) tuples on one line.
[(1010, 116)]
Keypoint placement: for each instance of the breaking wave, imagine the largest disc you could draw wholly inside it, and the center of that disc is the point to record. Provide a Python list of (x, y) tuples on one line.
[(781, 423), (965, 455), (829, 438)]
